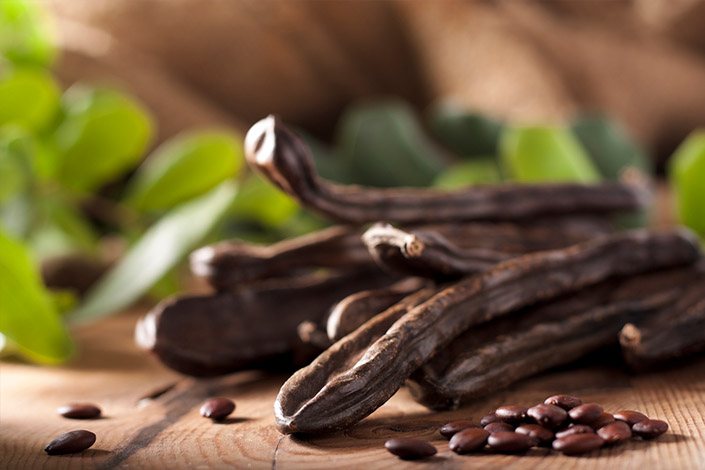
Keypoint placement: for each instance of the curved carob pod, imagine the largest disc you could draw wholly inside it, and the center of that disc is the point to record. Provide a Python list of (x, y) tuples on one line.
[(283, 158), (495, 355), (676, 331), (354, 310), (229, 265), (230, 331), (427, 254), (359, 373)]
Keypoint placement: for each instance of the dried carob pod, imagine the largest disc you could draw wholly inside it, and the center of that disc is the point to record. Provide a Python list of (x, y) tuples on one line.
[(427, 254), (492, 356), (354, 310), (231, 264), (676, 331), (283, 158), (230, 331), (359, 373)]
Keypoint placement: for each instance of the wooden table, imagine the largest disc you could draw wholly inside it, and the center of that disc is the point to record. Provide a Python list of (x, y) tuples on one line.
[(151, 417)]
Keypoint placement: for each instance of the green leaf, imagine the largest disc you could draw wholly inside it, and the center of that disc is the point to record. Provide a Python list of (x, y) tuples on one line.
[(24, 33), (185, 167), (28, 317), (164, 244), (384, 145), (545, 154), (62, 229), (15, 162), (29, 97), (687, 175), (260, 201), (103, 134), (609, 146), (475, 171), (466, 133)]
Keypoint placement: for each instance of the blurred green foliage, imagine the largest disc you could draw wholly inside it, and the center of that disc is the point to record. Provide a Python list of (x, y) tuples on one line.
[(687, 175)]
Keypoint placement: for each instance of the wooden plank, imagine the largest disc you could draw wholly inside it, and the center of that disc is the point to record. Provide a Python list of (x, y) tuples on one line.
[(166, 431)]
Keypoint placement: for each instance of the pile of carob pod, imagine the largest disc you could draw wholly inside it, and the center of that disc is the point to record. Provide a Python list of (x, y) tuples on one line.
[(467, 292)]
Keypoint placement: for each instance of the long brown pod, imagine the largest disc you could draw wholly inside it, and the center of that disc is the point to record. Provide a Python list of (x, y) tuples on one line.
[(426, 254), (230, 264), (493, 356), (283, 158), (230, 331), (363, 370), (354, 310), (676, 331)]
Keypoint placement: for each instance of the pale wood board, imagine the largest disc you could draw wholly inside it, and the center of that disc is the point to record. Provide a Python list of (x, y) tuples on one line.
[(166, 432)]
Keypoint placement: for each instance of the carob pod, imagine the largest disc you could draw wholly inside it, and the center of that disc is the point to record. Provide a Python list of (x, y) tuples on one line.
[(283, 158), (229, 265), (501, 352), (354, 310), (426, 252), (230, 331), (676, 331), (363, 370)]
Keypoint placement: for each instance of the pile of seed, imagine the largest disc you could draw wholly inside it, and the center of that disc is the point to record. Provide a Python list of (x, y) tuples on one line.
[(562, 422)]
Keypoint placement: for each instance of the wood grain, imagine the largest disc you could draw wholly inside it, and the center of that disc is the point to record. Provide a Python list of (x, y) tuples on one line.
[(166, 431)]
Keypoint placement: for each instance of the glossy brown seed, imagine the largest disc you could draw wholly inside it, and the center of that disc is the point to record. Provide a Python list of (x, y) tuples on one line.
[(487, 419), (575, 429), (449, 429), (586, 414), (566, 402), (74, 441), (511, 414), (510, 442), (650, 428), (79, 411), (468, 440), (630, 417), (499, 427), (548, 416), (603, 420), (615, 433), (578, 443), (410, 449), (539, 433), (217, 408)]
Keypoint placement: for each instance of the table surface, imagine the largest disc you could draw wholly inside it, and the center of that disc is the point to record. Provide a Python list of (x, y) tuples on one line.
[(151, 418)]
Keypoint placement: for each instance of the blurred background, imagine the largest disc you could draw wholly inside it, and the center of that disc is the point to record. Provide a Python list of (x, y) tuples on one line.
[(121, 123)]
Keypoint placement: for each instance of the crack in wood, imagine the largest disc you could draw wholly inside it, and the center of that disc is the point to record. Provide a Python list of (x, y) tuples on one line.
[(276, 452)]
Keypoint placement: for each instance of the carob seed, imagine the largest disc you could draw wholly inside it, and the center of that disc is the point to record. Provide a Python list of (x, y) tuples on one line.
[(548, 416), (79, 411), (630, 417), (650, 428), (410, 449), (603, 420), (586, 414), (499, 427), (468, 440), (539, 433), (566, 402), (511, 414), (217, 408), (449, 429), (74, 441), (489, 418), (615, 433), (575, 429), (510, 442), (576, 444)]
